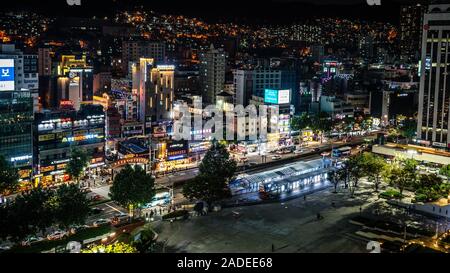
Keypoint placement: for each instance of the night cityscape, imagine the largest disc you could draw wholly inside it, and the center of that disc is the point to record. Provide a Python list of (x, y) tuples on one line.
[(277, 126)]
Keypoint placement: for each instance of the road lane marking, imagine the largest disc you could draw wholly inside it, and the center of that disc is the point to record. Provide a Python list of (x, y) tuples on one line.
[(112, 207)]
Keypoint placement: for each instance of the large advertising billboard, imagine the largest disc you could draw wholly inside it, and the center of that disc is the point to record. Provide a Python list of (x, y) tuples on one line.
[(7, 75), (273, 96)]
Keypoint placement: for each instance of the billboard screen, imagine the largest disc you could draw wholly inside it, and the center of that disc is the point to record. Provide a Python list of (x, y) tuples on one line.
[(7, 75), (284, 96), (277, 96), (271, 96)]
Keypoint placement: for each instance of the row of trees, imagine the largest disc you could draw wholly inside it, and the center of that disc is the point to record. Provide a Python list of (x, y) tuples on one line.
[(38, 209), (356, 167), (401, 174), (322, 123)]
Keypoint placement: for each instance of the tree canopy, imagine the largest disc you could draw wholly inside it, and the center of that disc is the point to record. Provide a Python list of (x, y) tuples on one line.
[(8, 176), (79, 160), (132, 187), (215, 172)]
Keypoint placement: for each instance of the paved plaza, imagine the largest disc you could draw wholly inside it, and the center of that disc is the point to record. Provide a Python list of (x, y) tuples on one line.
[(291, 226)]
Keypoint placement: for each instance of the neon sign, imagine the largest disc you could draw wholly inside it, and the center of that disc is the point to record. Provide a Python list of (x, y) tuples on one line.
[(81, 138)]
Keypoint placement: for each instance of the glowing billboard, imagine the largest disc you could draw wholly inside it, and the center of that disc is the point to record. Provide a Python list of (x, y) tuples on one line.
[(273, 96), (7, 75)]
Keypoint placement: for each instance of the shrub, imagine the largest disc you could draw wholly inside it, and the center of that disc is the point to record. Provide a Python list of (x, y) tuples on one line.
[(421, 197), (176, 214), (389, 194)]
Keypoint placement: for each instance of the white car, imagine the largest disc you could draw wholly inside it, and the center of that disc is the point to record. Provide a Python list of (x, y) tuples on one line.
[(56, 235), (298, 151), (100, 222), (6, 246), (31, 240), (276, 157)]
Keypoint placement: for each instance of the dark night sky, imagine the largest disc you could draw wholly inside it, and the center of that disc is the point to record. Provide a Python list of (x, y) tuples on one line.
[(250, 11)]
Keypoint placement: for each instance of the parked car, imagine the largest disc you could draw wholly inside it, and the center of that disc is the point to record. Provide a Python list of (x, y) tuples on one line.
[(96, 197), (316, 149), (95, 211), (119, 218), (6, 246), (298, 151), (101, 222), (57, 235), (31, 240), (276, 157), (76, 229)]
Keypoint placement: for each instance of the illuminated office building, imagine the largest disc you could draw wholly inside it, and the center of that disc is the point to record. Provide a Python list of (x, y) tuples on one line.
[(153, 85), (59, 131), (434, 94), (212, 74), (18, 79)]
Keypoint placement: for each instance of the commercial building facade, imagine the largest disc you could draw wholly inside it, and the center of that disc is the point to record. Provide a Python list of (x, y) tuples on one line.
[(60, 131), (434, 96)]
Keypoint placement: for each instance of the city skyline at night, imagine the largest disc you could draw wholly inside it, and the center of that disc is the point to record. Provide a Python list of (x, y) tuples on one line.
[(172, 128)]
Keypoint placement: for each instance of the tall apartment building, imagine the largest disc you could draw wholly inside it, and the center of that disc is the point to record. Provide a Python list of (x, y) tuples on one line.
[(153, 86), (434, 94), (253, 82), (45, 61), (18, 84), (133, 50), (212, 74), (411, 32)]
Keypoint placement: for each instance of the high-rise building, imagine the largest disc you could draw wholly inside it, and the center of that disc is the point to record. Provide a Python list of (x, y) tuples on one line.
[(16, 130), (25, 68), (366, 47), (434, 94), (411, 32), (154, 89), (212, 74), (102, 82), (45, 61), (74, 80), (18, 82), (243, 86), (254, 82), (133, 50), (318, 52)]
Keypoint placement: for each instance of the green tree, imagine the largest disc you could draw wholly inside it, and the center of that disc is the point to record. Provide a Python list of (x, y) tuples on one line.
[(132, 187), (29, 212), (321, 124), (335, 179), (374, 167), (215, 172), (9, 178), (408, 129), (301, 122), (355, 165), (71, 206), (79, 160), (410, 170), (396, 177), (445, 171)]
